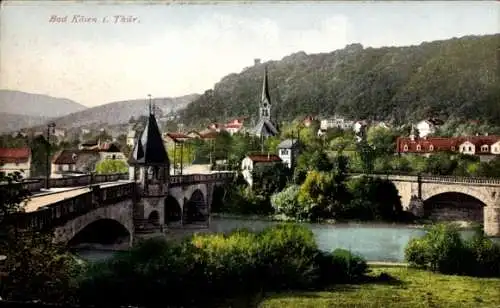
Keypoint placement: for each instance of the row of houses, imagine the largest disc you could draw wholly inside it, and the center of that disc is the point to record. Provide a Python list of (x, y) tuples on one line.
[(486, 147), (64, 163)]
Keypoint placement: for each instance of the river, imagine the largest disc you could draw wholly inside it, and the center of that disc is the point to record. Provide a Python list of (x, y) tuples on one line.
[(375, 242)]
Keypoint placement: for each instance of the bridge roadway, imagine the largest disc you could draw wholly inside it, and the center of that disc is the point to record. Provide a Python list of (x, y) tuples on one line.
[(41, 200), (54, 195)]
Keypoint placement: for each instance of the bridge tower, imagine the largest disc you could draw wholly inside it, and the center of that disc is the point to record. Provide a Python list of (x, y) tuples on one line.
[(150, 169)]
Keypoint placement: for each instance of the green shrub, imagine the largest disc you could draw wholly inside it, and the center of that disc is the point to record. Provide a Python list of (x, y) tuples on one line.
[(443, 250), (485, 256), (341, 266), (210, 267)]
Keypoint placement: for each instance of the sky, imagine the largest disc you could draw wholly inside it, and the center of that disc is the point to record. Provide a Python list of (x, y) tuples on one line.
[(173, 49)]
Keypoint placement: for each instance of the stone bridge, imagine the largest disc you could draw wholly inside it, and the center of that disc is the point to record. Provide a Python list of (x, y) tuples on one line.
[(102, 212), (451, 197)]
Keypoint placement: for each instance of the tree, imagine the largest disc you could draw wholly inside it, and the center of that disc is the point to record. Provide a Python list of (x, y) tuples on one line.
[(35, 269), (373, 198), (382, 140), (367, 156), (110, 166), (286, 202), (323, 194)]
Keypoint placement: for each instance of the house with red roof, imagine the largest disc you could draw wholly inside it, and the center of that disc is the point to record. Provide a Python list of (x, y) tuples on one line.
[(15, 159), (486, 147), (251, 160)]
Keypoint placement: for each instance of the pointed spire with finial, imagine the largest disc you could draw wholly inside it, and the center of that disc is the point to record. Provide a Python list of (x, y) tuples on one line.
[(266, 98), (150, 107)]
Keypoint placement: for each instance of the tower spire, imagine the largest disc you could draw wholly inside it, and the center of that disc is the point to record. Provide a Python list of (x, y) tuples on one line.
[(265, 100), (150, 107)]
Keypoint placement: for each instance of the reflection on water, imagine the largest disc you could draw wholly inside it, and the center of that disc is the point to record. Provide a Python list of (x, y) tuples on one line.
[(375, 242)]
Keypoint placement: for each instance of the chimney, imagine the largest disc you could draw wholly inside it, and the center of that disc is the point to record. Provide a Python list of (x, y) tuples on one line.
[(268, 156), (486, 134)]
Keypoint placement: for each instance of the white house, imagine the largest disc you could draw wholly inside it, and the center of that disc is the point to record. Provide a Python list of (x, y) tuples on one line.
[(335, 122), (131, 137), (15, 159), (467, 147), (250, 161), (288, 150), (427, 127), (495, 148)]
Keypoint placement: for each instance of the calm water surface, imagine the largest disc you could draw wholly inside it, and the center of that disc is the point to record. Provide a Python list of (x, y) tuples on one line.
[(375, 242)]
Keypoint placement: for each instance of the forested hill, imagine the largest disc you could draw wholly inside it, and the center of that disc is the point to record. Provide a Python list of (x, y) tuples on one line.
[(458, 77)]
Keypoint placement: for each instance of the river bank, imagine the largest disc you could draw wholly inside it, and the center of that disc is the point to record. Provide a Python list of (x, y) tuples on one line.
[(419, 224)]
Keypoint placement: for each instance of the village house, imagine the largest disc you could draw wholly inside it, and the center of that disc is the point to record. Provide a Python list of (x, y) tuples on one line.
[(288, 151), (250, 161), (15, 159), (486, 147), (428, 127), (308, 121), (335, 122), (84, 159)]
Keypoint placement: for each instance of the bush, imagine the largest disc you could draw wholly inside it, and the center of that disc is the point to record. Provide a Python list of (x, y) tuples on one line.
[(443, 250), (341, 266), (207, 268)]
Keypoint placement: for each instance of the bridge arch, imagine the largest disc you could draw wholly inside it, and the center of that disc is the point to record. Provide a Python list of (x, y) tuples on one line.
[(196, 208), (173, 210), (103, 231), (478, 193), (154, 218), (454, 206)]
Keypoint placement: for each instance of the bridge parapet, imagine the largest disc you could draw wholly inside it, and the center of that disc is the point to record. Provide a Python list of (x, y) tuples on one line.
[(437, 179), (63, 211), (188, 179), (80, 180), (460, 179)]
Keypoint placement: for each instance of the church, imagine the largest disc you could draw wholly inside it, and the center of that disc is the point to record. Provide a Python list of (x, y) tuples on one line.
[(265, 127)]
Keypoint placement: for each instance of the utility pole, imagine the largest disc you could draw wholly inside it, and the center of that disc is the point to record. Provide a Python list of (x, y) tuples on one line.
[(50, 126)]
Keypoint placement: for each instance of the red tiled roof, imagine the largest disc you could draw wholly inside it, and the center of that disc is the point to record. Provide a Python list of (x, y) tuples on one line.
[(431, 144), (65, 157), (261, 158), (233, 125), (208, 134), (14, 155), (178, 137)]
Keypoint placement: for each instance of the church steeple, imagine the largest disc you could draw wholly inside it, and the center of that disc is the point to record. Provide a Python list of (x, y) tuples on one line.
[(265, 101)]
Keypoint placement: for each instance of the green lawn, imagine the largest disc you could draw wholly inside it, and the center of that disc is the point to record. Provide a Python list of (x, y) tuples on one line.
[(414, 288)]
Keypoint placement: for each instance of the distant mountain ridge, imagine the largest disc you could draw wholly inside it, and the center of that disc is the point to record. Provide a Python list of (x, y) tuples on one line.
[(15, 122), (120, 112), (24, 110), (38, 105)]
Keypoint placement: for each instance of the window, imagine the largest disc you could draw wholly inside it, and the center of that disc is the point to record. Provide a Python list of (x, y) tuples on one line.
[(484, 148), (495, 149), (431, 148), (470, 148), (59, 167), (405, 148), (284, 152), (419, 147), (113, 157), (453, 148)]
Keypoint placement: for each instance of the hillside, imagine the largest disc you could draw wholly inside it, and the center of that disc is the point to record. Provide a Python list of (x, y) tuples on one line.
[(38, 105), (121, 112), (14, 122), (450, 78)]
